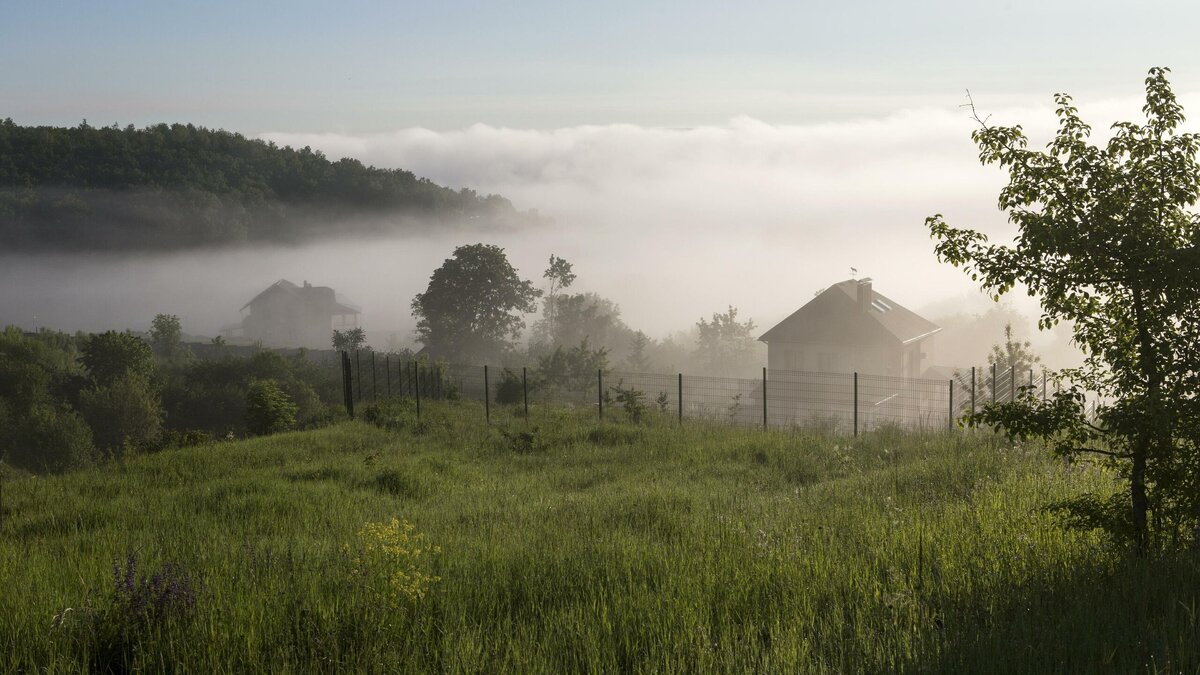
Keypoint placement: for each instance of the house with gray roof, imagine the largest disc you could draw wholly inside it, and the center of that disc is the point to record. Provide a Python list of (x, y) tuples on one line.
[(287, 315), (851, 327)]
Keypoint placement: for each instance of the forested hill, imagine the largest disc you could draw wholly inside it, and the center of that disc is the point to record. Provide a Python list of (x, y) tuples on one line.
[(181, 186)]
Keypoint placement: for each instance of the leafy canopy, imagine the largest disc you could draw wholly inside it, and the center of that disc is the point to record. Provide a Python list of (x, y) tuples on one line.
[(1106, 241), (109, 356), (725, 344), (472, 307)]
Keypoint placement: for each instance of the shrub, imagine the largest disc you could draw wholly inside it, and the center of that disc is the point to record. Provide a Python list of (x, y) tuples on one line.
[(48, 439), (268, 409), (109, 356), (524, 442), (124, 414), (632, 401), (510, 390)]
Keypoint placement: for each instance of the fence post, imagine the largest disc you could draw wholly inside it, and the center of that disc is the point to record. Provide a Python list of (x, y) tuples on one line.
[(387, 373), (374, 378), (417, 386), (681, 399), (993, 384), (347, 384), (487, 397), (764, 397), (358, 367), (1043, 384), (950, 417), (525, 390), (342, 365), (1031, 382), (1012, 383), (600, 391), (856, 403)]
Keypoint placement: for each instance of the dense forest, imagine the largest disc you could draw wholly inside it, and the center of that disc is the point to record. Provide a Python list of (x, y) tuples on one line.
[(180, 186)]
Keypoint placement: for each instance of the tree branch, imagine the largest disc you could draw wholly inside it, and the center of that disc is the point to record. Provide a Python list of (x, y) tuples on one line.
[(1107, 453)]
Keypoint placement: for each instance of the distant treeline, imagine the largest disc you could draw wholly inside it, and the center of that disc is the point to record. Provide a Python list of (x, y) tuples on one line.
[(180, 186)]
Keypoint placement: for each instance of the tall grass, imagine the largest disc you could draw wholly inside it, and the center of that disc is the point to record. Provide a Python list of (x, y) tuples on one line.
[(569, 545)]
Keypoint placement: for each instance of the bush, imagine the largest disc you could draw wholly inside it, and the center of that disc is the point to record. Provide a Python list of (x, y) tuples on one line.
[(48, 439), (268, 409), (125, 414), (633, 401), (524, 442), (510, 390), (110, 356)]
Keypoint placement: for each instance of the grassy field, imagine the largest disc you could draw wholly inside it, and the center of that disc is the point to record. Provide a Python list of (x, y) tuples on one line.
[(580, 547)]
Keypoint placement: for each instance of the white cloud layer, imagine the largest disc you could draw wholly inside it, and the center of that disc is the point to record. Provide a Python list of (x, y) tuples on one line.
[(676, 223), (672, 224)]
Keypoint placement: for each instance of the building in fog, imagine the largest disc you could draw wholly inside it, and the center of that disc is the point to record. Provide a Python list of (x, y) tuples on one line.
[(287, 315), (849, 327)]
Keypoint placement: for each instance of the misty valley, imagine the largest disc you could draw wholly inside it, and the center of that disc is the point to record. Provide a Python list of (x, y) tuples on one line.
[(604, 398)]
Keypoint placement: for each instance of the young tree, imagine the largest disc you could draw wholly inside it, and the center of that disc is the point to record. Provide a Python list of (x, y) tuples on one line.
[(561, 277), (467, 312), (1104, 240), (269, 410), (725, 345), (638, 359), (580, 316), (1013, 358), (350, 339), (572, 370), (1013, 355), (166, 336)]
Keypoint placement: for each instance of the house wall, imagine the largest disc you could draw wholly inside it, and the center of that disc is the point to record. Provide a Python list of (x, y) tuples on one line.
[(282, 320), (879, 359)]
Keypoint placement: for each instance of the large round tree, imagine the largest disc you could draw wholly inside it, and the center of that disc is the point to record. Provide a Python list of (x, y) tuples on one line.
[(472, 309)]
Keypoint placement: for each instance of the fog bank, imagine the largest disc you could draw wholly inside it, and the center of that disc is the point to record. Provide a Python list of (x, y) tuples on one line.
[(672, 224)]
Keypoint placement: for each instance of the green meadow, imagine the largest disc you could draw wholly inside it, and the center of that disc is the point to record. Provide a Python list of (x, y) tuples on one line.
[(568, 545)]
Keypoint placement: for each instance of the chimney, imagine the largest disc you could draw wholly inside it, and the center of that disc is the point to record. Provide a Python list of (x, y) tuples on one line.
[(865, 295)]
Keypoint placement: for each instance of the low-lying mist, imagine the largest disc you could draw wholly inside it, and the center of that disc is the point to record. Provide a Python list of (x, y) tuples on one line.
[(671, 224)]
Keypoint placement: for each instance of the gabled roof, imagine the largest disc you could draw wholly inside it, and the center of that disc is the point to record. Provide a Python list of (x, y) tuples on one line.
[(281, 285), (834, 317), (308, 293)]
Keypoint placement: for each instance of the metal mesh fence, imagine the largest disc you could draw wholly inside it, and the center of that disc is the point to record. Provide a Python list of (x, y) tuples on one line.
[(836, 402)]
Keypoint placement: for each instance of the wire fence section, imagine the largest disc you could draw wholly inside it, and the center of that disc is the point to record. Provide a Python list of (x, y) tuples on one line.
[(837, 402)]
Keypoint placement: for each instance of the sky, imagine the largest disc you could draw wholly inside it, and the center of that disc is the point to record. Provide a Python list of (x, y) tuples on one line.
[(361, 67), (692, 155)]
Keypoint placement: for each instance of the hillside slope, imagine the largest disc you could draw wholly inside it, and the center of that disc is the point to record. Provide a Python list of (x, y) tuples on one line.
[(581, 547), (179, 186)]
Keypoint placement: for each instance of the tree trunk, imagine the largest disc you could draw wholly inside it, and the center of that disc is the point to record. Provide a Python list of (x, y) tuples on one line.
[(1137, 494), (1139, 503)]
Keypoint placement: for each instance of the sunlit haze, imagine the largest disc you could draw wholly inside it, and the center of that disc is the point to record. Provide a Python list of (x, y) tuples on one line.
[(690, 157)]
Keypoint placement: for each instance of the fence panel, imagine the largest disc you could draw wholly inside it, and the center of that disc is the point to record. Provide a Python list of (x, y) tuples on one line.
[(836, 402)]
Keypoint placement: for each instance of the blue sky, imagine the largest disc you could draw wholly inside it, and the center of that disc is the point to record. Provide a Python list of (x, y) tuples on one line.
[(363, 67)]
